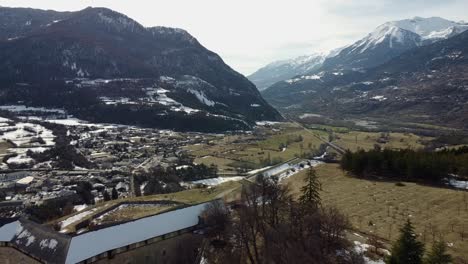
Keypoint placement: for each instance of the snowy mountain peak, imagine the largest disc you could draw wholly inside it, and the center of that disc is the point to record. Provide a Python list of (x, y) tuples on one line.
[(429, 28), (286, 69), (388, 35)]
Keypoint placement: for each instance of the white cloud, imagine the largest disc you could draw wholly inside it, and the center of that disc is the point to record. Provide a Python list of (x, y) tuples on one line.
[(251, 33)]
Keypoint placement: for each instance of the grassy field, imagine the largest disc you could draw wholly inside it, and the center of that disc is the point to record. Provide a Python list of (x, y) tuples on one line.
[(130, 213), (382, 207), (366, 140), (249, 150), (4, 146)]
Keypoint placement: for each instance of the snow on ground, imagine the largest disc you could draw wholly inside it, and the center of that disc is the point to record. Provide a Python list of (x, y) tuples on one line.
[(457, 184), (379, 98), (362, 248), (75, 218), (80, 207), (258, 170), (292, 170), (4, 120), (159, 95), (182, 167), (21, 233), (26, 137), (215, 181), (22, 133), (20, 159), (23, 108), (201, 97), (309, 115), (116, 101), (266, 123), (48, 243)]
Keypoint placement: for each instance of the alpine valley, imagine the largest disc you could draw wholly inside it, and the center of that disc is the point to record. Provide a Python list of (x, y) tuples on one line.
[(102, 66)]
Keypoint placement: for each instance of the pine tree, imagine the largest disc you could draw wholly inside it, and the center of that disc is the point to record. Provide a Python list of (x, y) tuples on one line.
[(407, 249), (310, 192), (438, 254), (115, 194), (106, 196)]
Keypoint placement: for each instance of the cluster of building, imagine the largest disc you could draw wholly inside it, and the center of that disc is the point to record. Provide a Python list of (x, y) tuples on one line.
[(113, 153)]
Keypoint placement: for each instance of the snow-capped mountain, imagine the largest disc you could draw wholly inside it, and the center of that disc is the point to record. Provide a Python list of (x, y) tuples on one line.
[(433, 28), (384, 43), (392, 39), (122, 65), (286, 69), (427, 84)]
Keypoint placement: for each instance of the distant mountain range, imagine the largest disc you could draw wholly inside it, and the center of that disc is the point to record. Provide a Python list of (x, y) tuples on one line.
[(410, 70), (131, 74), (384, 43)]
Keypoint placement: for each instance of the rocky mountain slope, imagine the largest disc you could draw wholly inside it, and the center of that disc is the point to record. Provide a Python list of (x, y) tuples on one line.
[(64, 52), (427, 84)]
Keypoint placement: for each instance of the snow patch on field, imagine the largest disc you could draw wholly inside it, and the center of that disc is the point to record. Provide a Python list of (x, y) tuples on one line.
[(457, 184), (266, 123), (362, 248), (379, 98), (20, 159)]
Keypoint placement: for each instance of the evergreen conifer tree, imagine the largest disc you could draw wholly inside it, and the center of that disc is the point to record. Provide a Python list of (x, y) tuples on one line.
[(438, 254), (407, 249), (310, 191), (115, 194)]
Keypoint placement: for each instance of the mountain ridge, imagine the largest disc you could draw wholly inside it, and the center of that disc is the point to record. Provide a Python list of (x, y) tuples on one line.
[(99, 43)]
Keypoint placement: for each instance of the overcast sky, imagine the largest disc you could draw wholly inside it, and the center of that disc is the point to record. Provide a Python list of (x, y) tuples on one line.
[(251, 33)]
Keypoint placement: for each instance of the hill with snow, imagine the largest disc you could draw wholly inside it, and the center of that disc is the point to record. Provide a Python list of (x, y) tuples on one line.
[(391, 74), (285, 69), (103, 66)]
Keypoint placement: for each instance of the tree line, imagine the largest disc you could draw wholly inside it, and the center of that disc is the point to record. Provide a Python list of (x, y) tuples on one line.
[(407, 164)]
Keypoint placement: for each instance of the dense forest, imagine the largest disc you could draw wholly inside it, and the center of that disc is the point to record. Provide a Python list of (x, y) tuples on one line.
[(408, 164)]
